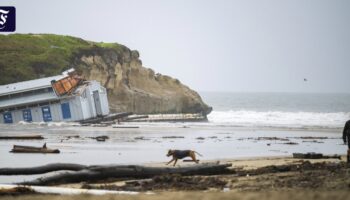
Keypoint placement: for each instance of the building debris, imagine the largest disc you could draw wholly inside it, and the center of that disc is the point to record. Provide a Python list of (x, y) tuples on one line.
[(66, 85), (107, 118)]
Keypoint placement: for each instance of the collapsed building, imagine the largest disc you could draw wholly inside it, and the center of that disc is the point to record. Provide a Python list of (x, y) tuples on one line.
[(65, 97)]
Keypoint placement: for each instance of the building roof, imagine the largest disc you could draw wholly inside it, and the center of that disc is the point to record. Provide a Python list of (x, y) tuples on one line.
[(35, 98), (28, 85)]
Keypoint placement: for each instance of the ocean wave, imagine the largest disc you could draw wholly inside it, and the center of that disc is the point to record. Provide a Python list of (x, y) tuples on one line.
[(279, 119), (49, 124)]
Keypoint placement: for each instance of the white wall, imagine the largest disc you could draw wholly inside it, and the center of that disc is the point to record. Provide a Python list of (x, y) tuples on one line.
[(93, 86), (37, 114)]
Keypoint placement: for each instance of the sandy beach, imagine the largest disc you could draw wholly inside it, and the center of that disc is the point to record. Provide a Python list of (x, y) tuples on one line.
[(305, 179)]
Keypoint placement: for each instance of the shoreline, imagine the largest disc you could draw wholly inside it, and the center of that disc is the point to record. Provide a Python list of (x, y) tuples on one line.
[(197, 125), (123, 145)]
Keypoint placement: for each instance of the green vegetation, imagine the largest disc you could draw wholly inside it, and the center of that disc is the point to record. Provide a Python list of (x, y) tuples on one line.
[(30, 56)]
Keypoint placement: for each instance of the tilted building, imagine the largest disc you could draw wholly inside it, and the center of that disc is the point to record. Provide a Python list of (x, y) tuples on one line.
[(64, 97)]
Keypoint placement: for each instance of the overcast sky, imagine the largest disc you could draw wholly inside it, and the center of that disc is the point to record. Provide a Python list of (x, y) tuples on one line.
[(214, 45)]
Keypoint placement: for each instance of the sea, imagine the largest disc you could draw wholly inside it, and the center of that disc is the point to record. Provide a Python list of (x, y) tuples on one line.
[(283, 110), (236, 129)]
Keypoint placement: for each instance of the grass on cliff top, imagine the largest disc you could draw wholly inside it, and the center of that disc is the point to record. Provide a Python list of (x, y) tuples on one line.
[(30, 56)]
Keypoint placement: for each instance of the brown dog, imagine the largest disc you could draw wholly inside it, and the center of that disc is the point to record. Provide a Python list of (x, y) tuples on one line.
[(180, 154)]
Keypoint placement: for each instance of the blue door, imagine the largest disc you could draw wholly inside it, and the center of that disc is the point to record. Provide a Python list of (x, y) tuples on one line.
[(27, 115), (46, 114), (65, 110), (8, 117)]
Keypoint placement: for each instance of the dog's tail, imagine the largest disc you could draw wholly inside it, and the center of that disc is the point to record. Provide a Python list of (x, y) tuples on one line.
[(198, 153)]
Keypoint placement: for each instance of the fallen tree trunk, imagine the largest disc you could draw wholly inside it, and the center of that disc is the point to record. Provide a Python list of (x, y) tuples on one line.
[(98, 173), (42, 169)]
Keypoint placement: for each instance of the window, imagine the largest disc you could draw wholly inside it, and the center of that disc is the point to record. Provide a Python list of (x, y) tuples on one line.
[(8, 118), (27, 115), (46, 113)]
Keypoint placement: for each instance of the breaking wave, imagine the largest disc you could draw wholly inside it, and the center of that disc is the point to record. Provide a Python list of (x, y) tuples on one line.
[(248, 118), (49, 124)]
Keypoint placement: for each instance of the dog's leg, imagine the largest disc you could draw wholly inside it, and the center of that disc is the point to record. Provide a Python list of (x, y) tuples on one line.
[(170, 161), (175, 162), (194, 159), (193, 156)]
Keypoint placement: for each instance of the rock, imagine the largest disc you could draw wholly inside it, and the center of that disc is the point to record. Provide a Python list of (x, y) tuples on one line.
[(134, 88)]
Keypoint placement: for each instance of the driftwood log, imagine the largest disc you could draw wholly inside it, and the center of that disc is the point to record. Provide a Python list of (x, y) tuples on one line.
[(22, 137), (30, 149), (80, 173)]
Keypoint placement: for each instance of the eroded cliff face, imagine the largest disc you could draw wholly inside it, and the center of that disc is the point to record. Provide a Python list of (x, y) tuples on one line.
[(132, 87)]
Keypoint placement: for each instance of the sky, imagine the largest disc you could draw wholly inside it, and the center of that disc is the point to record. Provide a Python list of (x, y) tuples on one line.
[(214, 45)]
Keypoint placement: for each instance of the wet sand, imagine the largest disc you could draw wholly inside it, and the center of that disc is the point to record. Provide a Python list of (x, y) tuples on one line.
[(149, 144), (255, 154)]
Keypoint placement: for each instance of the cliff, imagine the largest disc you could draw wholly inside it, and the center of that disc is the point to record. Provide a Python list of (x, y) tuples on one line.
[(130, 86)]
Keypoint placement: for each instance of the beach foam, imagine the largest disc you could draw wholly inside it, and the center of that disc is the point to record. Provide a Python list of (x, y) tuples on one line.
[(279, 119)]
